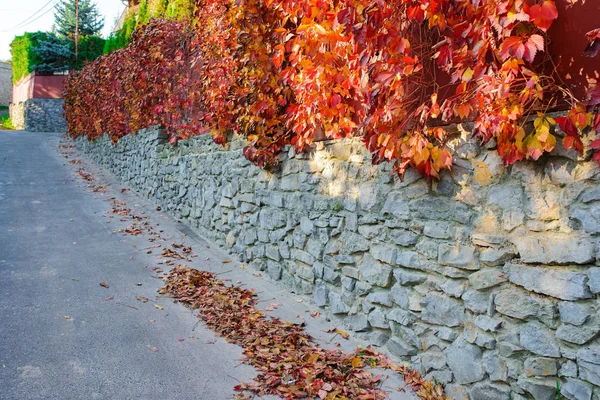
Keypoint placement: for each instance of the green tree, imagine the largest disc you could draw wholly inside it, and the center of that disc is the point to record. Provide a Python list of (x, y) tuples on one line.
[(90, 20)]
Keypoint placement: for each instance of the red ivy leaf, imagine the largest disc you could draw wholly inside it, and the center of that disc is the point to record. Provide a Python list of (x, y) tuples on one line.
[(543, 14), (567, 126)]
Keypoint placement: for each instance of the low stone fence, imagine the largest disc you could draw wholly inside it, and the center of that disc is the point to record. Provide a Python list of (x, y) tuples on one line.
[(39, 115), (486, 281)]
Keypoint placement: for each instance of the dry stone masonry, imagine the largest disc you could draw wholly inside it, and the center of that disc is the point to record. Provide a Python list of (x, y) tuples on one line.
[(39, 115), (486, 281)]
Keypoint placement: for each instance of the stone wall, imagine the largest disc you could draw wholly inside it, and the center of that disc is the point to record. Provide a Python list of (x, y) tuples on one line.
[(39, 115), (5, 84), (486, 281)]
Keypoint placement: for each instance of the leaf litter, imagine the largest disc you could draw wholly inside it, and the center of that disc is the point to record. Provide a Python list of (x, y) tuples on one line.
[(289, 362)]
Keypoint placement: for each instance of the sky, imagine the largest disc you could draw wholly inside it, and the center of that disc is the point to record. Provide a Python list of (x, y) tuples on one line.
[(19, 16)]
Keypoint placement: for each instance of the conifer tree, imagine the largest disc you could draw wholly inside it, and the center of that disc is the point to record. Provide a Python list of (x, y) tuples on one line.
[(90, 20)]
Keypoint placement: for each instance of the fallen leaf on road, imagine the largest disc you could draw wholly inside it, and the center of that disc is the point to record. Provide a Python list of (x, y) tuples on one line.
[(110, 298), (257, 274), (315, 314), (226, 261), (299, 301), (142, 299), (152, 320), (338, 331), (138, 284), (180, 339), (154, 349), (66, 317), (159, 307), (104, 284), (273, 306)]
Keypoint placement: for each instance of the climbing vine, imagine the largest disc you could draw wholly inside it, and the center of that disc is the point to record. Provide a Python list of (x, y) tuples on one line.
[(395, 72)]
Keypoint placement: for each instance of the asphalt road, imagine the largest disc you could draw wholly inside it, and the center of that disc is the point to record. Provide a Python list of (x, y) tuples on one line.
[(62, 334)]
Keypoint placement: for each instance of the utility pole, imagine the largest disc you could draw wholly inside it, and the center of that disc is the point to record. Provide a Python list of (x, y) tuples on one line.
[(76, 28)]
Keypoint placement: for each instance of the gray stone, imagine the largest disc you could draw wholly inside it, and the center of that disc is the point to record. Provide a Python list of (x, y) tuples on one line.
[(594, 276), (568, 369), (446, 333), (454, 287), (535, 366), (557, 282), (320, 295), (302, 256), (396, 205), (460, 256), (539, 388), (506, 197), (352, 243), (476, 336), (274, 269), (336, 305), (379, 339), (438, 230), (442, 310), (378, 319), (457, 392), (383, 252), (351, 272), (573, 313), (404, 237), (588, 360), (400, 348), (306, 226), (272, 218), (578, 334), (315, 248), (575, 389), (400, 316), (357, 322), (432, 359), (401, 295), (382, 298), (374, 272), (495, 257), (489, 391), (476, 301), (495, 367), (487, 239), (405, 277), (409, 259), (539, 340), (343, 259), (486, 278), (465, 361), (487, 323), (272, 252), (554, 248), (520, 304), (331, 276)]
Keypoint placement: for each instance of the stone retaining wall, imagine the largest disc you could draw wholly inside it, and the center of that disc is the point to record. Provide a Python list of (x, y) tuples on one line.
[(39, 115), (486, 281)]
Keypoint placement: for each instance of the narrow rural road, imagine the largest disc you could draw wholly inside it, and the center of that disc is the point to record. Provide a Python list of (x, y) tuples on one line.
[(62, 334)]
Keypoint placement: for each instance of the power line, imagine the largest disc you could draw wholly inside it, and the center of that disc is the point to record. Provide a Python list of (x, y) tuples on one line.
[(27, 22)]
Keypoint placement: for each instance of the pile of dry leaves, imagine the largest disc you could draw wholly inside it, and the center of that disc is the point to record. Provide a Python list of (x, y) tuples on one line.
[(290, 364)]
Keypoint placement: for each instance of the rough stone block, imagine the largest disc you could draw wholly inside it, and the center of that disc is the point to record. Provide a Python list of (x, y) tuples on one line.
[(554, 248), (374, 272), (539, 340), (536, 366), (465, 361), (562, 283), (460, 256), (486, 278), (574, 389), (573, 313), (383, 252), (520, 304), (442, 310)]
